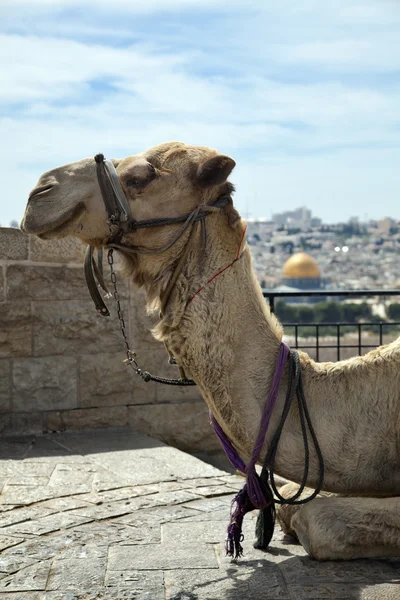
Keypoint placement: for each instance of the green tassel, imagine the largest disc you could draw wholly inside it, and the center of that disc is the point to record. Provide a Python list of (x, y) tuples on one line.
[(265, 527), (266, 517)]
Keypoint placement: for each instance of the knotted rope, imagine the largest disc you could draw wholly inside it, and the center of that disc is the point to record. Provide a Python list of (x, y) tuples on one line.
[(257, 493)]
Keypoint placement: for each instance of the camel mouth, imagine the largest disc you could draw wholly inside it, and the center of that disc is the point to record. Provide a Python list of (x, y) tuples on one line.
[(32, 226)]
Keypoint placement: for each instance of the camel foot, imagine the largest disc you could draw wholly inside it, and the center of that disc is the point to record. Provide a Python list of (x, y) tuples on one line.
[(337, 528)]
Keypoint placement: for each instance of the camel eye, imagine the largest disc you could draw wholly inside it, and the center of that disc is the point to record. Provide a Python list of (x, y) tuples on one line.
[(134, 183)]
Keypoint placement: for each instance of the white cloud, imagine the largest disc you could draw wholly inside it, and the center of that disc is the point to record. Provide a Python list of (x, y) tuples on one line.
[(287, 88)]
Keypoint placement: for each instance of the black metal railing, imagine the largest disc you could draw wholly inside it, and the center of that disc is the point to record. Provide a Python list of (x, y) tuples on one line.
[(323, 341)]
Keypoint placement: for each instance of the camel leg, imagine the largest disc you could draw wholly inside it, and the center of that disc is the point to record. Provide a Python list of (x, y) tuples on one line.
[(285, 512), (343, 528)]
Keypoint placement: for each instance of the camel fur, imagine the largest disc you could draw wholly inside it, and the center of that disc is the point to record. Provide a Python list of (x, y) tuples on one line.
[(228, 340)]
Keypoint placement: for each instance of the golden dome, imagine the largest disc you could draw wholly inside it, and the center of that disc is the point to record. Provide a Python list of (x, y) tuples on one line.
[(300, 266)]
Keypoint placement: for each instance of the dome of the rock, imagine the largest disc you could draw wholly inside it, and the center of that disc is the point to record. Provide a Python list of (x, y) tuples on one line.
[(301, 266)]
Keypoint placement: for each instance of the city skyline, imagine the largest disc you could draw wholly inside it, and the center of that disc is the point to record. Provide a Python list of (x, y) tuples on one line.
[(304, 96)]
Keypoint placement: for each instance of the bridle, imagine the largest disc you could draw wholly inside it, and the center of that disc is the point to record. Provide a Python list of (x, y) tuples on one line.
[(120, 221), (256, 493)]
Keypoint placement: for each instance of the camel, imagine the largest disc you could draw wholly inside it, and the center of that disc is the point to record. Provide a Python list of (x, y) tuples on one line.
[(225, 336)]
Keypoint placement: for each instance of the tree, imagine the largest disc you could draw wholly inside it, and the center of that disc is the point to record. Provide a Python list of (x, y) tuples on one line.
[(285, 312), (352, 312), (393, 311), (14, 224), (305, 314), (327, 312)]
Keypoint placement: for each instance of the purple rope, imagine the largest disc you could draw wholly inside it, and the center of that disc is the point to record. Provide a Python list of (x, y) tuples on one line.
[(252, 494), (230, 451)]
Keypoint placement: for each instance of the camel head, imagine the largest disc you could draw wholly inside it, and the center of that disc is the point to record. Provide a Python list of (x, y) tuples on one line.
[(164, 181)]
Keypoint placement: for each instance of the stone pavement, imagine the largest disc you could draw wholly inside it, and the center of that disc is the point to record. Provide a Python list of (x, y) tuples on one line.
[(113, 515)]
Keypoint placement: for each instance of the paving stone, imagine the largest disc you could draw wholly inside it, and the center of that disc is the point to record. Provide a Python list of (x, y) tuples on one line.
[(147, 585), (70, 474), (387, 591), (48, 524), (24, 469), (83, 551), (304, 570), (28, 481), (61, 544), (327, 591), (215, 491), (7, 541), (108, 533), (217, 515), (13, 562), (100, 594), (209, 532), (21, 596), (26, 579), (154, 557), (138, 492), (210, 504), (235, 582), (159, 515), (14, 448), (31, 495), (76, 574)]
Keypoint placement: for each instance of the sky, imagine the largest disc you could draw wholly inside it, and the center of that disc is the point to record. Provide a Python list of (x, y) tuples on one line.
[(304, 95)]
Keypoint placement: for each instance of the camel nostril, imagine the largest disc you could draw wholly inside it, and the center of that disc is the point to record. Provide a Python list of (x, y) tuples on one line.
[(40, 190)]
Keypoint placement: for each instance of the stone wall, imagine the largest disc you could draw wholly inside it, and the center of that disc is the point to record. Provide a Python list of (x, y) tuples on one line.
[(61, 363)]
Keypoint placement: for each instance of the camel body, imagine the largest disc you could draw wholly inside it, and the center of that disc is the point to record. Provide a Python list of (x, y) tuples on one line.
[(227, 339)]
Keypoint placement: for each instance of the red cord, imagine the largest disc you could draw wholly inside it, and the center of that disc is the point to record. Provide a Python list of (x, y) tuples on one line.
[(222, 270)]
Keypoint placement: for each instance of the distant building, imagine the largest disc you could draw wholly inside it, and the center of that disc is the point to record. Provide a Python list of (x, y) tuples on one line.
[(301, 272), (301, 218)]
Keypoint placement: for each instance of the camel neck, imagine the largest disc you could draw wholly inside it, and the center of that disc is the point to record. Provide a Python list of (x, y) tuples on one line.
[(236, 342)]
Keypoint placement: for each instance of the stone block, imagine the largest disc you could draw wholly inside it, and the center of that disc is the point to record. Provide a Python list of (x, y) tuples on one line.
[(5, 386), (15, 330), (175, 394), (48, 383), (145, 585), (154, 557), (87, 418), (13, 244), (76, 574), (140, 323), (73, 327), (2, 284), (184, 425), (63, 250), (26, 424), (38, 282), (32, 578), (236, 581), (5, 423), (152, 357), (105, 380), (209, 532)]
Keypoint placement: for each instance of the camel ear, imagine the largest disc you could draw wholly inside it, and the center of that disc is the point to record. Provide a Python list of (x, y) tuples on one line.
[(215, 171)]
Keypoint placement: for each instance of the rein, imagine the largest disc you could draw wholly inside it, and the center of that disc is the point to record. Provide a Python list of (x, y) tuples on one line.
[(257, 492), (120, 221)]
